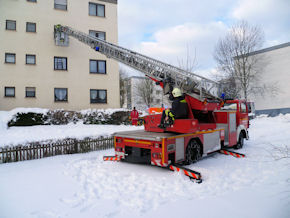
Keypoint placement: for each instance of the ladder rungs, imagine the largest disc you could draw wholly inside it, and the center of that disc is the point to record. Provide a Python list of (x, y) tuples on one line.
[(159, 70)]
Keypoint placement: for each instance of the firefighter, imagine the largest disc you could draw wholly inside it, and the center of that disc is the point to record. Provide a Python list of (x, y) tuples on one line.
[(134, 116), (178, 110)]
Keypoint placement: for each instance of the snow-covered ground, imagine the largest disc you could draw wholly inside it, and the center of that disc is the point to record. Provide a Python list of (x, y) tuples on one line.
[(22, 135), (82, 185)]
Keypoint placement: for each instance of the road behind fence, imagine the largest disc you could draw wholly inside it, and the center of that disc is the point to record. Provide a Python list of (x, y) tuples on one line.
[(40, 150)]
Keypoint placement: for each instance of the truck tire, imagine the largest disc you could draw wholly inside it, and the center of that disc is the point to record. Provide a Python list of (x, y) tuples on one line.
[(193, 152), (240, 143)]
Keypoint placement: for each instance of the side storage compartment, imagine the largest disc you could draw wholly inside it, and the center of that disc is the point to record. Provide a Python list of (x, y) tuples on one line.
[(227, 120), (211, 142)]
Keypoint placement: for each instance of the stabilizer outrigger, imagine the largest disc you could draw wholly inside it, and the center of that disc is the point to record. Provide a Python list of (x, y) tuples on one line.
[(192, 174), (232, 153), (111, 158)]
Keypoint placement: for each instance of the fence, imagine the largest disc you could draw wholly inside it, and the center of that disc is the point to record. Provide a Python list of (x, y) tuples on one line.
[(41, 150)]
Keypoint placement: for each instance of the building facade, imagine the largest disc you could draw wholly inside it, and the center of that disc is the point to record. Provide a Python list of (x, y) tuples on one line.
[(34, 72), (276, 71), (135, 87)]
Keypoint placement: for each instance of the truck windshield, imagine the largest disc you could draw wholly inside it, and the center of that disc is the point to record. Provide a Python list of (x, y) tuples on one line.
[(229, 106)]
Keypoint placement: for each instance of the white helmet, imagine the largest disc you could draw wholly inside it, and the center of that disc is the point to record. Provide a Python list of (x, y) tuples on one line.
[(176, 92)]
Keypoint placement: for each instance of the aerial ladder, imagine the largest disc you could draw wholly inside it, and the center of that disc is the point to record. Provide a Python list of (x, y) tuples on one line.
[(163, 73), (207, 129)]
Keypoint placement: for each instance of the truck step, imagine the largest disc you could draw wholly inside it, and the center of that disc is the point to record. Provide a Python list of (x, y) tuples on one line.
[(188, 172), (234, 154), (111, 158)]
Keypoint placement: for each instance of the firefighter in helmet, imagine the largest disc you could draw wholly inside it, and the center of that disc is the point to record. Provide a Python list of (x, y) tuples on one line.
[(179, 109)]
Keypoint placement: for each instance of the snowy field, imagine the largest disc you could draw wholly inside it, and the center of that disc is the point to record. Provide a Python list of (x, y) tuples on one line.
[(82, 185), (21, 135)]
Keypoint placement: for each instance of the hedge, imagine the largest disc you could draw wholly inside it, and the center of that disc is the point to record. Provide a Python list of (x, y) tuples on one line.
[(61, 117)]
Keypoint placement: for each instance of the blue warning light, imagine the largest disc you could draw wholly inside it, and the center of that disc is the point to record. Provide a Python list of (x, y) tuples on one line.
[(97, 48)]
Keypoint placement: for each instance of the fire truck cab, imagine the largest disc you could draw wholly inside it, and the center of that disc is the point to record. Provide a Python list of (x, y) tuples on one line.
[(233, 117)]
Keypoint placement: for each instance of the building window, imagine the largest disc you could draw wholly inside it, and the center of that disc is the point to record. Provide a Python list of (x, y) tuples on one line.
[(60, 63), (32, 0), (10, 58), (60, 94), (30, 59), (30, 92), (98, 66), (30, 27), (60, 4), (98, 34), (96, 9), (98, 96), (9, 91), (10, 25), (158, 101)]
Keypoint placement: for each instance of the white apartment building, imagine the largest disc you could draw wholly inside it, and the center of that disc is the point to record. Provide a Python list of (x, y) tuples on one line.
[(276, 71), (34, 72), (134, 99)]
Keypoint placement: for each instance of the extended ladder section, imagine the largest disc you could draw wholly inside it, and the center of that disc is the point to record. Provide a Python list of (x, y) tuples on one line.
[(192, 84)]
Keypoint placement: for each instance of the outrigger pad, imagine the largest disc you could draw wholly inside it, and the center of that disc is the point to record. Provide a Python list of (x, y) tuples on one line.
[(188, 172), (111, 158), (234, 154)]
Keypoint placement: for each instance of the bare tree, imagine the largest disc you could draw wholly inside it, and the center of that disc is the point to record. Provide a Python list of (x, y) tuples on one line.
[(189, 63), (123, 76), (229, 87), (235, 58), (145, 91)]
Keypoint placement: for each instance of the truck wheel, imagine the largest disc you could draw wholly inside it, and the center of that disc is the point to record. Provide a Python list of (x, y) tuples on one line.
[(193, 152), (240, 143)]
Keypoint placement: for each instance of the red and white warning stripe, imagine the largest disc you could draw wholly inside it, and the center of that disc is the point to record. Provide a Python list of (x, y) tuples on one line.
[(234, 154), (186, 172), (158, 163), (111, 158), (120, 154)]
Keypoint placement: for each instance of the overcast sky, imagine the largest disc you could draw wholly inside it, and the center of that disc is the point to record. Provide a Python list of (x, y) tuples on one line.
[(163, 29)]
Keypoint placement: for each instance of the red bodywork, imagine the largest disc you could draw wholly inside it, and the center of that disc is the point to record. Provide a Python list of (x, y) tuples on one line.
[(208, 123), (189, 125), (163, 151)]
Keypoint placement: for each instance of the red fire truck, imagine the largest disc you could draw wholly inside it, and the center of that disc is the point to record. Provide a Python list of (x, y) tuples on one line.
[(187, 140), (212, 125)]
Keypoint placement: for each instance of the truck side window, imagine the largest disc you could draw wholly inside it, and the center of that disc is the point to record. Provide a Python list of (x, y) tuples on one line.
[(229, 106), (243, 108)]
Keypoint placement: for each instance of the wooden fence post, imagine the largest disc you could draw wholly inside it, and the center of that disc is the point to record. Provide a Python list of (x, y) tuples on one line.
[(75, 146)]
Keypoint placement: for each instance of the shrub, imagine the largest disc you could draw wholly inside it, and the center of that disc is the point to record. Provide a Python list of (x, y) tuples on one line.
[(28, 119), (61, 117)]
